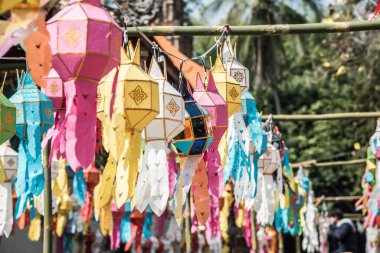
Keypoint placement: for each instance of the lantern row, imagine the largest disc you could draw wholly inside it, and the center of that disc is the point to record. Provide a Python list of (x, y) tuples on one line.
[(97, 96)]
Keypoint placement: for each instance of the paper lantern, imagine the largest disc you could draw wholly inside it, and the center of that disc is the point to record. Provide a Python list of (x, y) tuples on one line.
[(136, 104), (258, 143), (264, 203), (198, 134), (85, 43), (153, 181), (54, 89), (227, 86), (9, 160), (34, 117), (190, 144), (7, 117), (235, 69), (213, 102)]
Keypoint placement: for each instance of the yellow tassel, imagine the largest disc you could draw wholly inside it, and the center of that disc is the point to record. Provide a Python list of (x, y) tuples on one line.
[(35, 228)]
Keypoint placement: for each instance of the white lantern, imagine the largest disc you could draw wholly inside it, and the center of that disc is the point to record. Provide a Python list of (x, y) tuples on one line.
[(152, 183), (235, 68), (9, 159), (264, 202)]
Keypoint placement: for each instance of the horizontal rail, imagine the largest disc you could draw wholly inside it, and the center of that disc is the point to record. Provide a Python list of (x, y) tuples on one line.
[(309, 164), (329, 116), (258, 30)]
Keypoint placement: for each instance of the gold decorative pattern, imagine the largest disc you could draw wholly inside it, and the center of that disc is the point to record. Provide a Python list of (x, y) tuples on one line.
[(54, 88), (233, 93), (99, 98), (18, 113), (239, 76), (8, 118), (72, 36), (138, 95), (172, 107), (48, 113), (10, 162)]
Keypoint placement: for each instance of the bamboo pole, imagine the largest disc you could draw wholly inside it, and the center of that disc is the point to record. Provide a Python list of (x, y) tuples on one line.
[(253, 230), (298, 244), (310, 164), (280, 242), (48, 235), (258, 30), (329, 116)]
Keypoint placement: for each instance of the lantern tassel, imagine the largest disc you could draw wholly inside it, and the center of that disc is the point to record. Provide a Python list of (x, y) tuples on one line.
[(214, 170), (182, 187), (6, 220), (81, 123), (127, 168), (104, 194), (34, 233), (201, 193), (153, 181)]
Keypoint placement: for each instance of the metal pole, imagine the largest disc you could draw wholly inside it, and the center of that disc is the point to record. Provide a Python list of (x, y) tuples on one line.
[(329, 116), (48, 235), (258, 30)]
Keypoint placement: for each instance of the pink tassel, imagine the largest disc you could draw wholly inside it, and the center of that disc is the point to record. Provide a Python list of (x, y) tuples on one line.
[(81, 123), (173, 170)]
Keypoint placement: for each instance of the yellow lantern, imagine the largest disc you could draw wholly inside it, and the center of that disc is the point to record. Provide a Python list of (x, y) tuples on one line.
[(227, 86), (136, 104)]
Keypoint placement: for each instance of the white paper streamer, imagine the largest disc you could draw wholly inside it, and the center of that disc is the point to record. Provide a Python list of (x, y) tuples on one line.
[(6, 209)]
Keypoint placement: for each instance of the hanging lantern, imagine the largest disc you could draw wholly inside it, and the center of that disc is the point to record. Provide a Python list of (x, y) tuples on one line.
[(34, 118), (198, 134), (264, 202), (7, 117), (235, 69), (190, 144), (136, 104), (85, 43), (54, 89), (227, 86), (258, 144), (8, 158), (214, 103), (153, 181)]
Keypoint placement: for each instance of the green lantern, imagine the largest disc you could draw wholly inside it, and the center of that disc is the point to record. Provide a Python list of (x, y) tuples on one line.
[(7, 117)]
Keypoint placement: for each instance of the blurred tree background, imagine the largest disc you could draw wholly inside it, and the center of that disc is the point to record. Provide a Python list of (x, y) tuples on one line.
[(310, 74)]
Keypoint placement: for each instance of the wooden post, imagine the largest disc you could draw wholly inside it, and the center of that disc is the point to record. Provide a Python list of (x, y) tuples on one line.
[(48, 235)]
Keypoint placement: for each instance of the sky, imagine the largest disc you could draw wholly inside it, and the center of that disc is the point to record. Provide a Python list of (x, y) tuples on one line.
[(217, 18)]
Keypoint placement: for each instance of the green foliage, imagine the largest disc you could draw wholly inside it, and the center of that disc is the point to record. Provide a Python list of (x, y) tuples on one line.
[(312, 74)]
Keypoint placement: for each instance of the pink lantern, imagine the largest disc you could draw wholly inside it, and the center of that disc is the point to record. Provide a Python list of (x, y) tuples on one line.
[(214, 103), (54, 89), (85, 43)]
